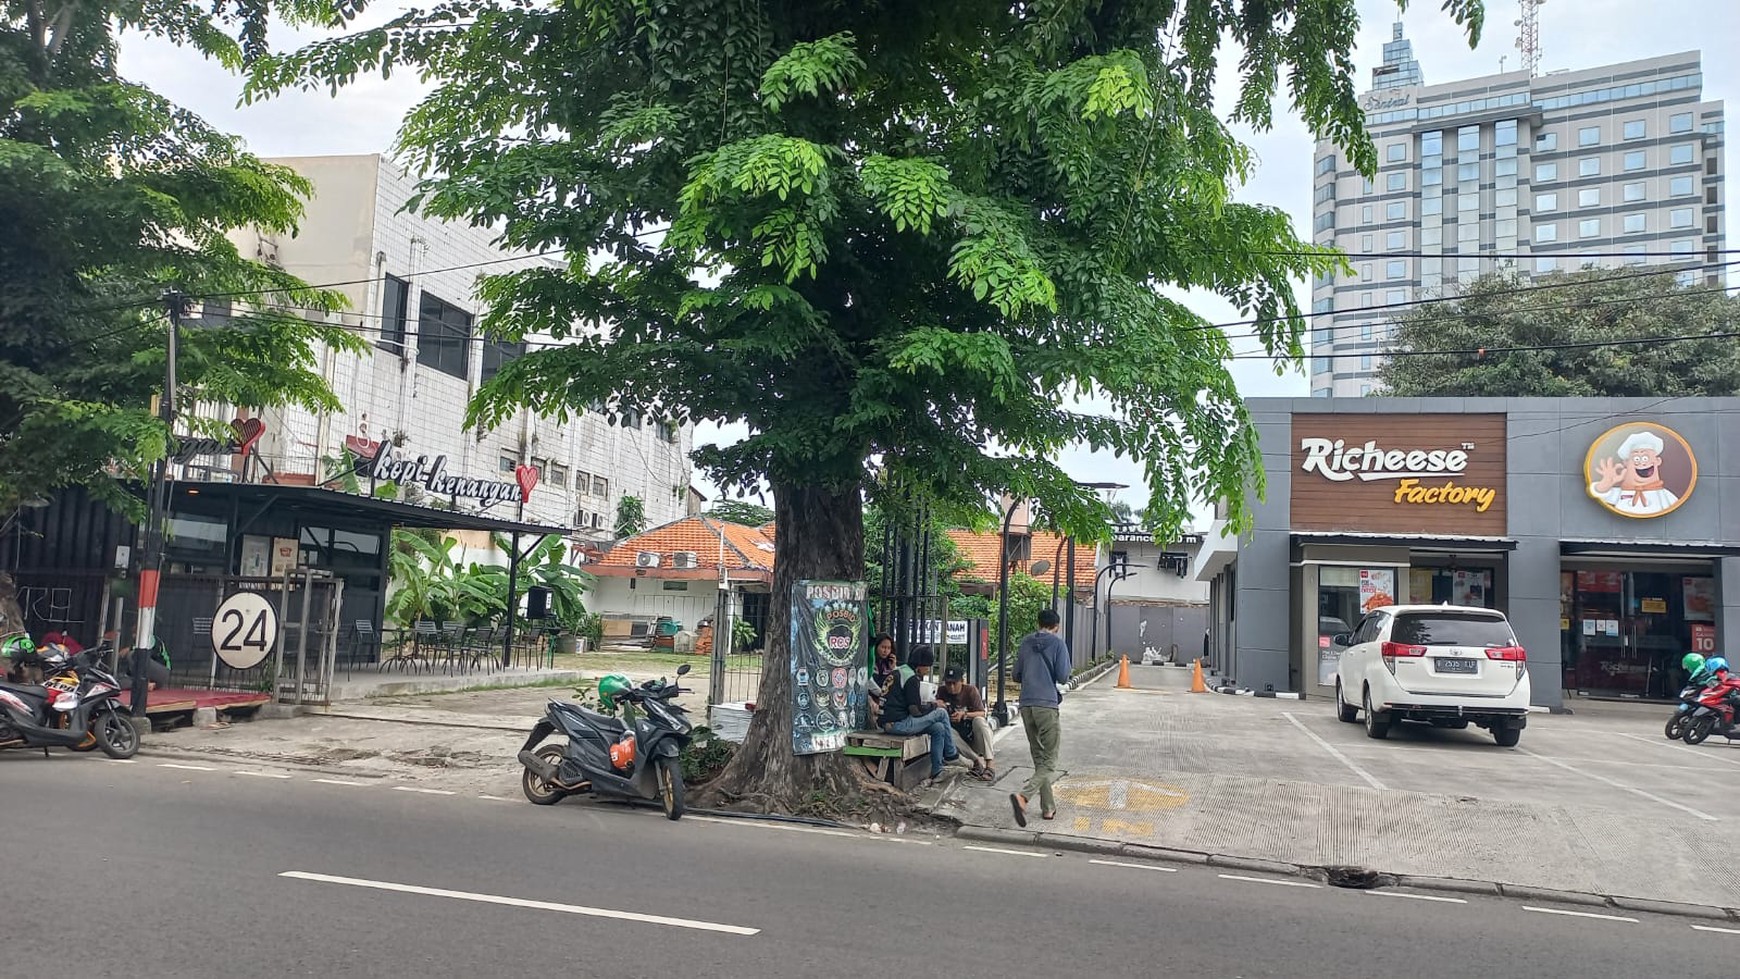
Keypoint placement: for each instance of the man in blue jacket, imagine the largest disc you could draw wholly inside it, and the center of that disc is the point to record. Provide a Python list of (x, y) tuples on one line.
[(1042, 668)]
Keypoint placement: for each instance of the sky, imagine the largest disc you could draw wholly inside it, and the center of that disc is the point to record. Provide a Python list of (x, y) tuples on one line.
[(1575, 34)]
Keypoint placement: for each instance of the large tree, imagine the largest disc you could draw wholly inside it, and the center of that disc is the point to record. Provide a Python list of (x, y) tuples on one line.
[(897, 237), (109, 194), (1595, 333)]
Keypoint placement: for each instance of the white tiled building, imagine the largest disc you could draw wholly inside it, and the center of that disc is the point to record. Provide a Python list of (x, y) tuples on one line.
[(411, 283)]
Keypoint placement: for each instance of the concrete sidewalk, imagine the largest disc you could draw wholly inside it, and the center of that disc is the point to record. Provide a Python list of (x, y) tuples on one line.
[(1601, 806)]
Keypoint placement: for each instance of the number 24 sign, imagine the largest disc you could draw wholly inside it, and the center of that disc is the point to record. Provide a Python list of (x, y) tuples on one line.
[(244, 630)]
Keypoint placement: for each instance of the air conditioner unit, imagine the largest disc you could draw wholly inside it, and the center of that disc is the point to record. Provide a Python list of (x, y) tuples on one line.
[(646, 559), (685, 559)]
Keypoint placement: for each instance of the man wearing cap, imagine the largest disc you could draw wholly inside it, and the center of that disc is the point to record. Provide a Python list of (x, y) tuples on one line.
[(1632, 483), (909, 708), (967, 713)]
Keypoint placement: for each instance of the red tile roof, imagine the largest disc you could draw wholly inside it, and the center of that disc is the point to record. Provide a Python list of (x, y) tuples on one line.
[(748, 554), (981, 552)]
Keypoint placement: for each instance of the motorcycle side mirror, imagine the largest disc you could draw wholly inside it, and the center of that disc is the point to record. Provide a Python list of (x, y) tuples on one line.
[(683, 669)]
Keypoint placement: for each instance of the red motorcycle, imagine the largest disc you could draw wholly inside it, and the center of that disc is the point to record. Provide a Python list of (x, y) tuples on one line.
[(1715, 713)]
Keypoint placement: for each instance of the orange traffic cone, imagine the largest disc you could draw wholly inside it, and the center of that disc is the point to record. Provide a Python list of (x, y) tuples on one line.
[(1196, 684), (1123, 672)]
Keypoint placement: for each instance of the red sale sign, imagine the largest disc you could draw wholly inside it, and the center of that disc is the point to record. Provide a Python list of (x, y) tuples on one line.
[(1703, 639)]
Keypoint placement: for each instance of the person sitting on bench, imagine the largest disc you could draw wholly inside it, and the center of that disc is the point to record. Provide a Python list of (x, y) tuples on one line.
[(910, 708), (967, 713)]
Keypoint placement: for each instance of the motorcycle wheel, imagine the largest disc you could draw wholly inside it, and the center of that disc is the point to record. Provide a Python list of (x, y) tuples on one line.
[(1676, 726), (1699, 729), (670, 775), (538, 791), (116, 734)]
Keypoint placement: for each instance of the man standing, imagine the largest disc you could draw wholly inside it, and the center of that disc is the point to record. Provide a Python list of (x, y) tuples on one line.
[(1041, 667)]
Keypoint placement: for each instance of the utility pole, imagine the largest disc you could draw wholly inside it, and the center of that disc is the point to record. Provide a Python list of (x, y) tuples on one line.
[(151, 562)]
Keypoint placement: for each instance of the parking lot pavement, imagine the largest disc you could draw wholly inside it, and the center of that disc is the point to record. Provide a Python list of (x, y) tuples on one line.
[(1597, 802)]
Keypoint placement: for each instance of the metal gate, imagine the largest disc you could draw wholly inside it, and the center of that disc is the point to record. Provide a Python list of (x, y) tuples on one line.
[(740, 637), (300, 667)]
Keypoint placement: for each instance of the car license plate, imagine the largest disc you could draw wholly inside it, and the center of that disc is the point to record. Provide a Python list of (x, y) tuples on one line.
[(1448, 665)]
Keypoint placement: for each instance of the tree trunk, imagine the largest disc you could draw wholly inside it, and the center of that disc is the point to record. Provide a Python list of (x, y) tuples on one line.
[(819, 535)]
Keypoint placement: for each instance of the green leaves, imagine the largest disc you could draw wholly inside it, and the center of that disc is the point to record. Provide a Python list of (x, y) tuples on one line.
[(910, 191), (810, 68)]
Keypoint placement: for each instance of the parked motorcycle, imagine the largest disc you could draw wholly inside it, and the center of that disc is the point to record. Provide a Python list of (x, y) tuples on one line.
[(637, 759), (1676, 725), (76, 707), (1715, 713)]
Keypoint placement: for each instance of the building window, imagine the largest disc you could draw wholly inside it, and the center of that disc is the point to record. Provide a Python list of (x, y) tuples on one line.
[(1396, 239), (1635, 192), (1396, 152), (1546, 202), (1589, 197), (1467, 232), (1589, 228), (395, 306), (1324, 194), (1431, 237), (1365, 331), (1320, 365), (1365, 390), (1365, 362), (1431, 205), (1636, 160), (1546, 232), (1365, 300), (1636, 224), (1396, 181), (1365, 243), (1396, 297), (1469, 201), (1505, 228), (1365, 185), (1680, 217), (1365, 214), (1545, 265), (1589, 136), (507, 464), (443, 335), (1395, 269), (1323, 392), (1324, 221), (1589, 166), (1680, 122), (600, 486), (1504, 198), (557, 475), (1546, 142), (668, 432), (1468, 172), (1681, 154), (1546, 172), (1326, 165), (1634, 254), (1504, 168), (1681, 187), (1432, 144), (1635, 129), (1396, 211), (498, 354), (1504, 133), (1468, 140), (1365, 271), (1681, 247), (1432, 177)]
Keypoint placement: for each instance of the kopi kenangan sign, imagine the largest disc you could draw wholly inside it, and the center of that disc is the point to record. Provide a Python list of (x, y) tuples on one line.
[(388, 465)]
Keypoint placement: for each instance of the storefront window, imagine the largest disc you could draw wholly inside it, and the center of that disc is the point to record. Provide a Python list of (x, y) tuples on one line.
[(1456, 586), (1344, 595), (1625, 631)]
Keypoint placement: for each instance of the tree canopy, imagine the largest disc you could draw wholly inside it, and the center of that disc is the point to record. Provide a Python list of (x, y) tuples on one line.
[(741, 512), (1594, 333), (110, 194), (897, 240)]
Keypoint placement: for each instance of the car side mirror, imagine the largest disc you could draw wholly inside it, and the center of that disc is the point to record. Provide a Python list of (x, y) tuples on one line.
[(1342, 639), (683, 669)]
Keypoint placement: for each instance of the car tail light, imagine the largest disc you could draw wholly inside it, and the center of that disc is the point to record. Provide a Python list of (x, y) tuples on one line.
[(1393, 651), (1508, 654)]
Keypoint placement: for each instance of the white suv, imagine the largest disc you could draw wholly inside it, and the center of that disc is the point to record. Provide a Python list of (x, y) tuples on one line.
[(1444, 664)]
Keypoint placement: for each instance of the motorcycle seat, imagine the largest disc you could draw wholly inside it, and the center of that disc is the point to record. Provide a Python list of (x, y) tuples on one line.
[(601, 722), (26, 689)]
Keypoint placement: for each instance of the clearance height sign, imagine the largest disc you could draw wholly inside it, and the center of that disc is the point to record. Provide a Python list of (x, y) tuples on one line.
[(1400, 474)]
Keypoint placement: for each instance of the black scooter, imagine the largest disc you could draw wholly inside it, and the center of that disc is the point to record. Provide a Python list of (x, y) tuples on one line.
[(77, 706), (608, 757)]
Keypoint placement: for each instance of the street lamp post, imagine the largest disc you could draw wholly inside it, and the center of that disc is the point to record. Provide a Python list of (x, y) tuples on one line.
[(1123, 571)]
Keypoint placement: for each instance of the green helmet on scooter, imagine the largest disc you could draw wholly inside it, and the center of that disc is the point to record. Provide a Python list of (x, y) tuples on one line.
[(610, 686), (1692, 663)]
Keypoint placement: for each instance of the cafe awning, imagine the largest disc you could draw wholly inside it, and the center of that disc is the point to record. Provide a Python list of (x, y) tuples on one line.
[(316, 500)]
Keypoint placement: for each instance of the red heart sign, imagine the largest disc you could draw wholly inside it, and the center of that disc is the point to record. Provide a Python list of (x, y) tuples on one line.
[(248, 431), (361, 447), (527, 477)]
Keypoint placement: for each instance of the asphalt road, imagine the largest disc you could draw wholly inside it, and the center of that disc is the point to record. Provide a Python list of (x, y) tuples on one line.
[(177, 869)]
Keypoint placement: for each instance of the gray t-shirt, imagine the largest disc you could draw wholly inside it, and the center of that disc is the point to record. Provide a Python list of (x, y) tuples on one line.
[(1041, 666)]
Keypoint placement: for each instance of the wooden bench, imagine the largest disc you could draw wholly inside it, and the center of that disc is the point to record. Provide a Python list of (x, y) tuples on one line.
[(901, 761)]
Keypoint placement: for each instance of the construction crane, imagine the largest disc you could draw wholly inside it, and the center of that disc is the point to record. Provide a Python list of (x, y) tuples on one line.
[(1528, 37)]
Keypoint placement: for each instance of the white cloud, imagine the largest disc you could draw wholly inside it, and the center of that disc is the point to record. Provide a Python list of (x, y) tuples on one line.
[(364, 118)]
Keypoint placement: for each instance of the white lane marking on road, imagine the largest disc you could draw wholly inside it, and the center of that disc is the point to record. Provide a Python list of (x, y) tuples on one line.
[(337, 781), (1723, 931), (1579, 914), (1135, 866), (1417, 897), (493, 798), (185, 768), (125, 761), (1335, 753), (1620, 785), (1267, 880), (263, 774), (998, 849), (515, 902), (1675, 746), (413, 788)]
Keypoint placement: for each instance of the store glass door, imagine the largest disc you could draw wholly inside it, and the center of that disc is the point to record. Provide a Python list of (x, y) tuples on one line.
[(1626, 630)]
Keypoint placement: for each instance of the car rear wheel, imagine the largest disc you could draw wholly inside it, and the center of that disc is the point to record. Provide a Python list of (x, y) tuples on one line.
[(1344, 712), (1375, 727), (1507, 737)]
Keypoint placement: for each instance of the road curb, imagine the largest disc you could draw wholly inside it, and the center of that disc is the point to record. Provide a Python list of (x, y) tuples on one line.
[(346, 715), (1450, 885)]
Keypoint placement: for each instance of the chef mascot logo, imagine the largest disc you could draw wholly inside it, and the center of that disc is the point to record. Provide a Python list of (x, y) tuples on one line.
[(1641, 469)]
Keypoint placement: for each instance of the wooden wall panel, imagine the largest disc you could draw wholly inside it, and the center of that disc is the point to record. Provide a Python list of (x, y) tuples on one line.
[(1431, 474)]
